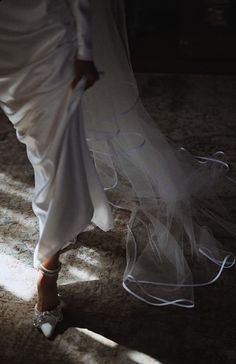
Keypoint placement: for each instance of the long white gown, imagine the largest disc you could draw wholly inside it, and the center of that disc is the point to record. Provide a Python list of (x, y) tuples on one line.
[(171, 195), (39, 41)]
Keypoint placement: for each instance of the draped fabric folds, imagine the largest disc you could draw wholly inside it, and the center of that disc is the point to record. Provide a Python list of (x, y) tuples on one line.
[(37, 97), (171, 195)]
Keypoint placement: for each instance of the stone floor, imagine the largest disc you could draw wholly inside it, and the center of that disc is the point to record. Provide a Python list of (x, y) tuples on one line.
[(105, 325)]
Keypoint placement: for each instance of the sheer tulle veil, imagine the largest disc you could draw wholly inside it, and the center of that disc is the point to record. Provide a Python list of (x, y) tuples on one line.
[(171, 195)]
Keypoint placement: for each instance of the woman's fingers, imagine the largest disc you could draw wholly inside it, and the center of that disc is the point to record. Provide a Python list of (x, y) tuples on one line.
[(87, 69)]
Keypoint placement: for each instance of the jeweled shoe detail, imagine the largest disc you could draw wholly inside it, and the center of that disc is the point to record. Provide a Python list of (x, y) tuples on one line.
[(47, 320)]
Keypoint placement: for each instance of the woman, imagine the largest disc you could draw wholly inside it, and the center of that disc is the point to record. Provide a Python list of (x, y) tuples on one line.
[(169, 194), (46, 64)]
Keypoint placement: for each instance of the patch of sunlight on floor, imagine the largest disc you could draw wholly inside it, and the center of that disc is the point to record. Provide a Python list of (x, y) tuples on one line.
[(83, 274), (17, 217), (137, 357), (89, 256), (99, 338), (9, 181), (141, 358), (16, 188), (17, 278)]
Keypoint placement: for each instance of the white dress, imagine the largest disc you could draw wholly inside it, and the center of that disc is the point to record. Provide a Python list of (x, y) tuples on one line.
[(172, 197), (39, 41)]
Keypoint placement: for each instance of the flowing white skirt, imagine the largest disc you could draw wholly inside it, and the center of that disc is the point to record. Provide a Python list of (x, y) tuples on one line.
[(38, 99)]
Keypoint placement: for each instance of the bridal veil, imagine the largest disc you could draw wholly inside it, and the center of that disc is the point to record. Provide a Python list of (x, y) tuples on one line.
[(170, 194)]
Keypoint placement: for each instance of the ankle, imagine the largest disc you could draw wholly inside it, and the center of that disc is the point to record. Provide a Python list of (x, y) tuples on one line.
[(52, 271), (43, 278)]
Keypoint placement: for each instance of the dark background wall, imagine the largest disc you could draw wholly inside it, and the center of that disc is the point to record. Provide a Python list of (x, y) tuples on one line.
[(196, 36)]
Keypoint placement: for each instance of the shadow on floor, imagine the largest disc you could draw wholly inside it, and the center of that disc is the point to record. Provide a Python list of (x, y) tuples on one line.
[(204, 334)]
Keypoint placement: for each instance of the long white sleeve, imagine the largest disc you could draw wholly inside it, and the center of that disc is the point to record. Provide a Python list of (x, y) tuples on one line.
[(82, 13)]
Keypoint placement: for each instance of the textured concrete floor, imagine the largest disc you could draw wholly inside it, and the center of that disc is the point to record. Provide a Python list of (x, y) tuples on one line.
[(103, 323)]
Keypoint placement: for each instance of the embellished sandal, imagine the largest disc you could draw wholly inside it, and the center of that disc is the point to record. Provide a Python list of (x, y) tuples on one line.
[(47, 321)]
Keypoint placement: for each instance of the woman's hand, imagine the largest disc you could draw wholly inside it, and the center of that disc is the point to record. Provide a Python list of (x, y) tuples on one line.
[(87, 69)]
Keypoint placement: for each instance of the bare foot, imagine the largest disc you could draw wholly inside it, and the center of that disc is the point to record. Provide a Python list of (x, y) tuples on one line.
[(47, 292)]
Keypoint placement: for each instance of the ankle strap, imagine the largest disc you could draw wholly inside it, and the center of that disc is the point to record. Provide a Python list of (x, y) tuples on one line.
[(50, 272)]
